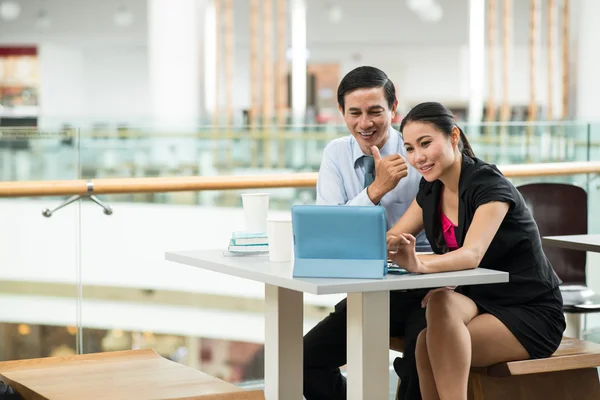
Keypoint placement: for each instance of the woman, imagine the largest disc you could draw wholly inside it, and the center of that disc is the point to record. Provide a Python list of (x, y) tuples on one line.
[(473, 217)]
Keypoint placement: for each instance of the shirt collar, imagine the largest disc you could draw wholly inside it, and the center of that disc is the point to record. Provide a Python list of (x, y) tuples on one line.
[(390, 147)]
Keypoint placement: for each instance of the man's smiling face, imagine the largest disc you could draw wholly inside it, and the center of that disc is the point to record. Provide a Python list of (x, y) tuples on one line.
[(368, 117)]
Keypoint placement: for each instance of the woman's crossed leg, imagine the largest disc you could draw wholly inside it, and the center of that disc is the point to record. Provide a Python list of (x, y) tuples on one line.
[(458, 337)]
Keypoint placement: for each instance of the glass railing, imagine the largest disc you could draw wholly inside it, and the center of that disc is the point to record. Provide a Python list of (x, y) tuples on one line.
[(118, 152), (84, 281), (40, 274)]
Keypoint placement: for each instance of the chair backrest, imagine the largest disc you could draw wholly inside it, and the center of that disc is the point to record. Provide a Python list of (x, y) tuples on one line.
[(560, 209)]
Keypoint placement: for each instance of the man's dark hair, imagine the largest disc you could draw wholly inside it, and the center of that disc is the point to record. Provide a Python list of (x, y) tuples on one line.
[(365, 78)]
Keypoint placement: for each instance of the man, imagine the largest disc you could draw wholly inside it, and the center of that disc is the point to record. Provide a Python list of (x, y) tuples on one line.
[(366, 168)]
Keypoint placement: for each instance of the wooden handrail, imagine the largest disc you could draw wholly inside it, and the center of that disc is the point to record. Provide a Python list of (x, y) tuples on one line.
[(550, 169), (237, 182), (155, 185)]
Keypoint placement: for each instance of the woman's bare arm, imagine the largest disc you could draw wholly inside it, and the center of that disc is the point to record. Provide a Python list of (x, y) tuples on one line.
[(485, 225), (410, 222)]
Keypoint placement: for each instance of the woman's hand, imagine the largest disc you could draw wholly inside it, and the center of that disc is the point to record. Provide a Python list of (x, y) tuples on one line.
[(402, 251), (432, 291), (393, 243)]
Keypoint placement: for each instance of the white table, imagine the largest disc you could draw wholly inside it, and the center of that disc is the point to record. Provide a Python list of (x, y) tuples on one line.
[(590, 242), (368, 317)]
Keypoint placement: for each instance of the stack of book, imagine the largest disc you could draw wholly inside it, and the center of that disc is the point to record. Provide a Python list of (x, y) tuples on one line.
[(248, 243)]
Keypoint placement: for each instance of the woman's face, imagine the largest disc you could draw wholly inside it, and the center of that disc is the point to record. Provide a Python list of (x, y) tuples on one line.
[(429, 150)]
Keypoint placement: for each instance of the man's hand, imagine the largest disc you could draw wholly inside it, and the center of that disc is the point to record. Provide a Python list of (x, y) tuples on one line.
[(388, 172)]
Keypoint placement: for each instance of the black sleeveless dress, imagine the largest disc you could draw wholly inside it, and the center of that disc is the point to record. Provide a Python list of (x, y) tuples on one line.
[(530, 304)]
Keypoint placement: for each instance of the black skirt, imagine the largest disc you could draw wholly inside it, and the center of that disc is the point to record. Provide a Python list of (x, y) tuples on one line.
[(538, 324)]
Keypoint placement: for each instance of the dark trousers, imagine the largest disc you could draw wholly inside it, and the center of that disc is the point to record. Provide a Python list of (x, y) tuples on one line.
[(325, 348)]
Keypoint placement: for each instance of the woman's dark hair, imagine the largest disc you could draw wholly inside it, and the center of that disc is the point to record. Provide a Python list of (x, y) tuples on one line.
[(439, 116), (366, 78)]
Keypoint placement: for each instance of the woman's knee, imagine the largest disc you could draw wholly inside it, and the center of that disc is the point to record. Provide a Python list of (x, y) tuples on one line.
[(439, 305), (447, 305)]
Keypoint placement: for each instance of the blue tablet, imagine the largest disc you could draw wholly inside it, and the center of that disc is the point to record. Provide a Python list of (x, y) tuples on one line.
[(339, 241)]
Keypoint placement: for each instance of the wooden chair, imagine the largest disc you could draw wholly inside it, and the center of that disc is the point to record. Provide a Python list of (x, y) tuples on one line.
[(570, 373)]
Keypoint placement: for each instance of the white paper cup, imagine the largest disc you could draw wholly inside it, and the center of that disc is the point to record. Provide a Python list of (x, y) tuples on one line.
[(256, 207), (281, 239)]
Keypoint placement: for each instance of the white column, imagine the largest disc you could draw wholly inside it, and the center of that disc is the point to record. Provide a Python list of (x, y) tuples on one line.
[(368, 336), (556, 74), (174, 61), (476, 59), (537, 77), (587, 65), (210, 56), (299, 53), (283, 343)]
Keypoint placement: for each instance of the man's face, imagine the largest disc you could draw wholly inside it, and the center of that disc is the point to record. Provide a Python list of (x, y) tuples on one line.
[(368, 117)]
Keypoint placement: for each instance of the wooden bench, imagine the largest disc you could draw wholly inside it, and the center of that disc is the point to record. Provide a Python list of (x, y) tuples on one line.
[(133, 374), (570, 373)]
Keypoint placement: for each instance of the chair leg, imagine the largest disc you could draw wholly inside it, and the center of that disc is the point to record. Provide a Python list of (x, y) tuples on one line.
[(475, 389), (574, 325)]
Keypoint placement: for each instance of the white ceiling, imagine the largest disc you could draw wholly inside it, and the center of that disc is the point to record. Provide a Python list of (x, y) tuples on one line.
[(363, 22), (76, 21)]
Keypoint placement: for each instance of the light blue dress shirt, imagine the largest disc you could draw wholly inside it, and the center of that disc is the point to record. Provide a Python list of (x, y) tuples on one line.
[(342, 174)]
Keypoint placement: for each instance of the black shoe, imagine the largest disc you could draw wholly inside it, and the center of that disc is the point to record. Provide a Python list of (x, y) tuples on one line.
[(399, 364), (6, 392)]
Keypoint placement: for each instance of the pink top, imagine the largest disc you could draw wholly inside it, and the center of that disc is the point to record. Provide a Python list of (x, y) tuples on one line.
[(448, 230)]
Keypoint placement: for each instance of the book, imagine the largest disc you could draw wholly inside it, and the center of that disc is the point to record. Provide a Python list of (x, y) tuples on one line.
[(227, 253), (242, 238), (233, 248)]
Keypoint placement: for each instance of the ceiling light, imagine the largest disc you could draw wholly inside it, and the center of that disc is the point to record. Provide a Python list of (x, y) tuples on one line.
[(10, 10), (335, 13), (434, 14), (427, 10), (123, 17), (419, 6), (42, 21), (24, 329)]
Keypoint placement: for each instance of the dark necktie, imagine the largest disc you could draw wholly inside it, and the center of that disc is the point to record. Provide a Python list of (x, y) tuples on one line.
[(369, 163)]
